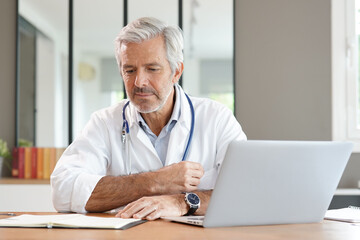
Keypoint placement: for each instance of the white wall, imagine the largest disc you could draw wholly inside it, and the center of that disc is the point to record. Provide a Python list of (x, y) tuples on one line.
[(283, 69), (25, 197), (7, 70)]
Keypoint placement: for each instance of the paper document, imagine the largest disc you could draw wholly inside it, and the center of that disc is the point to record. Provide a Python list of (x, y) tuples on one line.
[(350, 214), (69, 221)]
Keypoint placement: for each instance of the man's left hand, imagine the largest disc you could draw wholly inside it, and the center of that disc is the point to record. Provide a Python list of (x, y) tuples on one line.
[(154, 207)]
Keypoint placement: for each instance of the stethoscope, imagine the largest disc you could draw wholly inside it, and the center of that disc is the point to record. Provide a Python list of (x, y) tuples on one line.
[(125, 132)]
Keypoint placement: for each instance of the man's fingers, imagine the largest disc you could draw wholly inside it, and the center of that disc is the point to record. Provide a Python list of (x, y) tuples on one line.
[(154, 215), (123, 210), (194, 181), (145, 211), (195, 173), (192, 165), (132, 208), (139, 209), (178, 177), (190, 188)]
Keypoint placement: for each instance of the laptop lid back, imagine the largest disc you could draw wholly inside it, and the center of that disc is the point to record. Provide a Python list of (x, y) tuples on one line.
[(276, 182)]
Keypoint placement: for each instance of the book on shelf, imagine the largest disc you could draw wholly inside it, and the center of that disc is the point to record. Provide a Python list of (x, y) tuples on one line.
[(69, 221), (46, 159), (33, 163), (15, 163), (40, 163), (27, 162), (21, 161)]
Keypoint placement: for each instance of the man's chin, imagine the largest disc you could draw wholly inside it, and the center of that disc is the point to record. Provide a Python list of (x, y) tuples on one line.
[(146, 105), (144, 108)]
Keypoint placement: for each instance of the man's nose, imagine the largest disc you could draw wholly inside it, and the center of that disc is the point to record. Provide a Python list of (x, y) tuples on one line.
[(141, 79)]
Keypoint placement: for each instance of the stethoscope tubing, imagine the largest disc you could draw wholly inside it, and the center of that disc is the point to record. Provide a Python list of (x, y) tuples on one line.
[(191, 128)]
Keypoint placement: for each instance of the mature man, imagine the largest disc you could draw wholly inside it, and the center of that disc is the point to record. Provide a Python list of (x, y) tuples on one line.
[(147, 153)]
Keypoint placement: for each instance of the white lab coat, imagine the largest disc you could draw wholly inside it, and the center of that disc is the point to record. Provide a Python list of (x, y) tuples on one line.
[(99, 150)]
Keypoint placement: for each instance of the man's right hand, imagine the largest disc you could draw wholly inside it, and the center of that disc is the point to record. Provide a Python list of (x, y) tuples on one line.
[(179, 177)]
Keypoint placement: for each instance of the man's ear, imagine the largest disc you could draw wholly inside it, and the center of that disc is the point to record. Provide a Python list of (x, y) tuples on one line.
[(178, 73)]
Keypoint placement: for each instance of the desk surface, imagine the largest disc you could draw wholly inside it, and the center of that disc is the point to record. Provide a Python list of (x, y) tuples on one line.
[(161, 229)]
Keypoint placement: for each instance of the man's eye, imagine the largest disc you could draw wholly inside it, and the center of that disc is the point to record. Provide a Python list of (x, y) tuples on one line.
[(153, 69), (129, 71)]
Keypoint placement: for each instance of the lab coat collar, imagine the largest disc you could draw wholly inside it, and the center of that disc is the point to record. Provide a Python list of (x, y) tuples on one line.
[(185, 116)]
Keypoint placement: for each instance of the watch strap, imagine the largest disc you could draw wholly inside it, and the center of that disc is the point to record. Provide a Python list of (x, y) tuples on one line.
[(191, 211)]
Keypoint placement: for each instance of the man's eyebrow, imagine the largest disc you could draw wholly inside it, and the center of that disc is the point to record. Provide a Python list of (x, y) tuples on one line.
[(154, 64), (127, 66)]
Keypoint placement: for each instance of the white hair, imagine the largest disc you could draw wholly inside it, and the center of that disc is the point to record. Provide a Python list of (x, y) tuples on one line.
[(147, 28)]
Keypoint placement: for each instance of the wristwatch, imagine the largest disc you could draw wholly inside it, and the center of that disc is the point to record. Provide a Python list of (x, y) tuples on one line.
[(193, 201)]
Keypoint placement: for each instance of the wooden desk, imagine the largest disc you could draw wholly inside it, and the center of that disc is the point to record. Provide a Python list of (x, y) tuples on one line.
[(161, 229)]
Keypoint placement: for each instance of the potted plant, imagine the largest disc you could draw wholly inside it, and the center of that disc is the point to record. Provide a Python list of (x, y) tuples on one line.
[(5, 156)]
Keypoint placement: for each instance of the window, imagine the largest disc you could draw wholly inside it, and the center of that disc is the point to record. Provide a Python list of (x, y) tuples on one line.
[(42, 73), (86, 76), (345, 71), (208, 53)]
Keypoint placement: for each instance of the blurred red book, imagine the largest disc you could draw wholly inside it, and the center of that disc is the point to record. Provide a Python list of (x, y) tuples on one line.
[(21, 161), (15, 163), (33, 162)]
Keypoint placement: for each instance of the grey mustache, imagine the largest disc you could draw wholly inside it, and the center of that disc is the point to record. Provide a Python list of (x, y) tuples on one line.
[(143, 90)]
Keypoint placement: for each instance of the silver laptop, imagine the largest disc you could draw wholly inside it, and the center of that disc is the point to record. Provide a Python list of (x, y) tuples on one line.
[(274, 182)]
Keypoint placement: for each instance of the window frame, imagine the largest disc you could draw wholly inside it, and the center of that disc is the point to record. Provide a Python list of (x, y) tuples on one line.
[(345, 89)]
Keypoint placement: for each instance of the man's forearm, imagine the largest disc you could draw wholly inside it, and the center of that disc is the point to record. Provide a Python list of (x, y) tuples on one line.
[(112, 192)]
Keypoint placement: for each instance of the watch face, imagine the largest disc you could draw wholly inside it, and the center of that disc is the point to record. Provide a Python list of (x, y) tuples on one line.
[(193, 198)]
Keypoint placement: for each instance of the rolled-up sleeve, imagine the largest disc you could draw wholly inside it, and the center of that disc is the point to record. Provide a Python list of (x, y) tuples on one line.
[(81, 166)]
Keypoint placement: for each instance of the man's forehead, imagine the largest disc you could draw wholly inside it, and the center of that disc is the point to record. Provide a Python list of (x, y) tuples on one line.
[(149, 52)]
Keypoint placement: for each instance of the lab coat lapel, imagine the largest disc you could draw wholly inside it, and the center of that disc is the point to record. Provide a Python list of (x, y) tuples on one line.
[(177, 144), (140, 134), (139, 138), (180, 133)]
